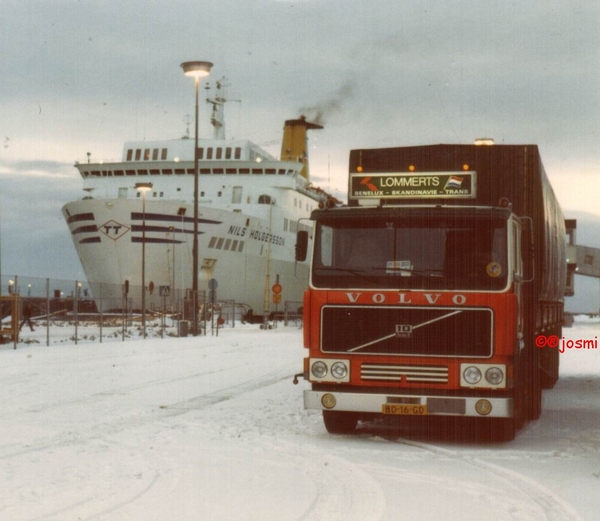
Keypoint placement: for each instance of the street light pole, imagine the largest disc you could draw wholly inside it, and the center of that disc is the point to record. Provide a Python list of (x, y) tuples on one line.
[(143, 188), (196, 70)]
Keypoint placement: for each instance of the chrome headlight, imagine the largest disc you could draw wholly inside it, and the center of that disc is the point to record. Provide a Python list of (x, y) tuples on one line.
[(339, 370), (494, 376), (319, 370), (472, 375)]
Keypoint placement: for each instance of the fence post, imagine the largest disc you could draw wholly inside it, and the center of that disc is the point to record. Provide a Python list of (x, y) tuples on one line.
[(47, 312), (101, 310), (75, 310), (17, 312)]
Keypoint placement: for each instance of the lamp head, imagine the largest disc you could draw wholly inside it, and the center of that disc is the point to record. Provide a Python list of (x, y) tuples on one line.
[(196, 69), (143, 187)]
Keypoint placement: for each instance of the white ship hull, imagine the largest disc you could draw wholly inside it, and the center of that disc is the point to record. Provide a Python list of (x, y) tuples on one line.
[(245, 255)]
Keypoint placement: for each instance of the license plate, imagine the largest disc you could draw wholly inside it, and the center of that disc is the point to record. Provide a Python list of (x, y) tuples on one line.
[(399, 408)]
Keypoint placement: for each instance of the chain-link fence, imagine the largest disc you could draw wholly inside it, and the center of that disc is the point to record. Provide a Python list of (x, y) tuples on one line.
[(76, 311)]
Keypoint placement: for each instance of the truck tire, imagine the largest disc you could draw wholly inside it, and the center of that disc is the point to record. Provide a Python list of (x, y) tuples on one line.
[(339, 422), (549, 364), (504, 429)]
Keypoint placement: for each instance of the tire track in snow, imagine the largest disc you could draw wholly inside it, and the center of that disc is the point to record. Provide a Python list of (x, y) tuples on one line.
[(344, 491), (553, 508), (134, 420)]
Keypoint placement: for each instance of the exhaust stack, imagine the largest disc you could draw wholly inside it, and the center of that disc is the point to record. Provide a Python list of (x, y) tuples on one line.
[(295, 145)]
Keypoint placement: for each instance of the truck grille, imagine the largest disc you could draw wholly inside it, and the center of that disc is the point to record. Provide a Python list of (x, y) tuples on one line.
[(407, 373), (408, 331)]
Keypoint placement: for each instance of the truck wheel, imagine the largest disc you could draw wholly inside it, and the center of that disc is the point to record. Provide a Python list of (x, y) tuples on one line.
[(533, 406), (494, 430), (549, 368), (338, 422), (504, 429)]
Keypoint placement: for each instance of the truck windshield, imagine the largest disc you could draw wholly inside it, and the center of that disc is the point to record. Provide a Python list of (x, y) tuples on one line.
[(466, 253)]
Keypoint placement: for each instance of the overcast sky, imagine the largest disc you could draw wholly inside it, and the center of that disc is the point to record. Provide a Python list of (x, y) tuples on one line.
[(85, 76)]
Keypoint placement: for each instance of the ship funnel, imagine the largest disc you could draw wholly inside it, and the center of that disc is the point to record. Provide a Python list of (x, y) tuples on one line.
[(295, 145)]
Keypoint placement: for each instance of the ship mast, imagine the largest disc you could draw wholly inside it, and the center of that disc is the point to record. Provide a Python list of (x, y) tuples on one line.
[(217, 118)]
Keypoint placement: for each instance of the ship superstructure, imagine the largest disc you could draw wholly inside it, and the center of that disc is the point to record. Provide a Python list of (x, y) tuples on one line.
[(250, 204)]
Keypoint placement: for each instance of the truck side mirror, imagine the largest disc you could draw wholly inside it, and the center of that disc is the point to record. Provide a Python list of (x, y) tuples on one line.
[(301, 245)]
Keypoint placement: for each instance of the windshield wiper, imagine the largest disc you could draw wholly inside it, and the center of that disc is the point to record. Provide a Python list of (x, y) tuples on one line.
[(411, 272), (353, 271)]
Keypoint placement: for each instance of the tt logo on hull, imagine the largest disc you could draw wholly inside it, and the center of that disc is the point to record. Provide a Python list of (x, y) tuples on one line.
[(113, 230)]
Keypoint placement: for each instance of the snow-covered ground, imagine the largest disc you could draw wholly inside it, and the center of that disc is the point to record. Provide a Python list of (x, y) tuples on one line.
[(213, 429)]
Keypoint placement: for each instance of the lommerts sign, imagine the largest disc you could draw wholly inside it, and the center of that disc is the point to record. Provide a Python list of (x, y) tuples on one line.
[(398, 185)]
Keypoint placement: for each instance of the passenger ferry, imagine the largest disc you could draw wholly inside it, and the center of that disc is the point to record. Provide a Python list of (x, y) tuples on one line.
[(250, 206)]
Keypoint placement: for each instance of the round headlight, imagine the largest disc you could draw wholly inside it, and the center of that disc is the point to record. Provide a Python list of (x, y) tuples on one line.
[(319, 370), (339, 370), (472, 375), (494, 376), (328, 401), (483, 407)]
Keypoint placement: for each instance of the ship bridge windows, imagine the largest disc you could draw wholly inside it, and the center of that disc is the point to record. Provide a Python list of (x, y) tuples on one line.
[(228, 153), (146, 154), (119, 173), (130, 172), (180, 171), (155, 171), (209, 153), (264, 199), (219, 153), (142, 172)]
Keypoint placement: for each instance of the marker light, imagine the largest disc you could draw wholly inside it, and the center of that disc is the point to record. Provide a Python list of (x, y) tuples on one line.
[(411, 168), (359, 168), (465, 167), (484, 141)]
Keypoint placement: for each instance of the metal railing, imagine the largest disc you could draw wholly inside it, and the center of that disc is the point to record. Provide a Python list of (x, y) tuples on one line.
[(79, 312)]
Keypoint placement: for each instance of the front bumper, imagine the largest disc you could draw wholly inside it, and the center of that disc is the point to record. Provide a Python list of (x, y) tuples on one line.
[(436, 405)]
